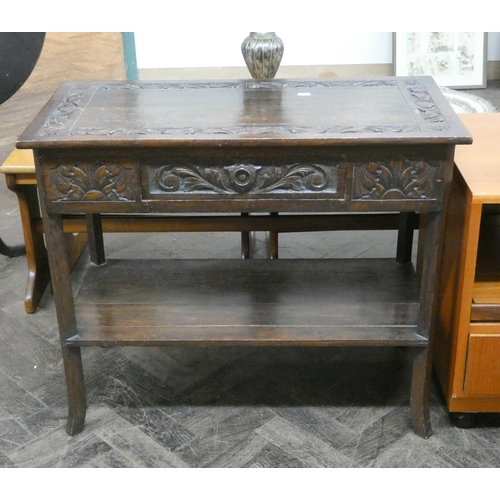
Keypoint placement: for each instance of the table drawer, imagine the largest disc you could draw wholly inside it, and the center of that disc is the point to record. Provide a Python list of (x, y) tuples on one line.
[(251, 179)]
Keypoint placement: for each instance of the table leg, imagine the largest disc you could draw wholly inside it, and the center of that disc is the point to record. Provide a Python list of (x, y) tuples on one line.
[(245, 242), (75, 384), (65, 309), (420, 384), (272, 244), (36, 254), (272, 241), (430, 226), (407, 225), (95, 239)]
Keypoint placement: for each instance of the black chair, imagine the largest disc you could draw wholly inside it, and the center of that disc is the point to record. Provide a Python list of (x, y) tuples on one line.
[(19, 53)]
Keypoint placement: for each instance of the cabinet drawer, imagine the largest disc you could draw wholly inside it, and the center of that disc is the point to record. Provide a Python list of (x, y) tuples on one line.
[(482, 375)]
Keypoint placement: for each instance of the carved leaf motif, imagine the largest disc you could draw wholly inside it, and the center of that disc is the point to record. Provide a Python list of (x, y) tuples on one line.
[(416, 181), (91, 182), (301, 178), (69, 182), (62, 114), (180, 178), (216, 177), (425, 104), (111, 180), (394, 179), (63, 180), (375, 179)]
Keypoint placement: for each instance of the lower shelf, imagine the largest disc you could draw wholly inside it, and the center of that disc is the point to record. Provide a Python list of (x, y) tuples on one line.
[(254, 302)]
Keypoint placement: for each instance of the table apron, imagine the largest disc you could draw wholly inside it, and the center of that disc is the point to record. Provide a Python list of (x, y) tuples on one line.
[(248, 181)]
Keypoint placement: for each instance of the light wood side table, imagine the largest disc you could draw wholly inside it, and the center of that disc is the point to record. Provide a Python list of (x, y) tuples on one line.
[(467, 350)]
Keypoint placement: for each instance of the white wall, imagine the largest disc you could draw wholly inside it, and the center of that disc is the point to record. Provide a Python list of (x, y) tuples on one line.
[(494, 46), (201, 45), (213, 48)]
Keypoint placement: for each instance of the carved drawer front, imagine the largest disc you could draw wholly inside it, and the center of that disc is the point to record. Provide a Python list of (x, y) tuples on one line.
[(81, 180), (241, 179), (397, 179)]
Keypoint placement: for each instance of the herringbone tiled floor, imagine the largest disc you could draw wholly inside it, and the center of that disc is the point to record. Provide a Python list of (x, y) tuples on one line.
[(203, 407)]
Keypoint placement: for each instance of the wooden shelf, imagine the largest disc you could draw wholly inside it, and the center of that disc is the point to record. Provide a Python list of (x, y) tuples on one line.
[(251, 302), (486, 292)]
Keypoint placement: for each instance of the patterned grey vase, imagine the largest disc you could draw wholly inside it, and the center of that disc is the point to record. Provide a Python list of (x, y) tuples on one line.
[(262, 53)]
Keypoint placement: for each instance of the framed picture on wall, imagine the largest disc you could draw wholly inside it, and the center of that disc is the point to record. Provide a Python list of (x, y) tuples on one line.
[(455, 60)]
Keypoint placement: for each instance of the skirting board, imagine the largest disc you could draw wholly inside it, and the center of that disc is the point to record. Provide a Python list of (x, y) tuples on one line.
[(326, 71), (317, 71), (493, 70)]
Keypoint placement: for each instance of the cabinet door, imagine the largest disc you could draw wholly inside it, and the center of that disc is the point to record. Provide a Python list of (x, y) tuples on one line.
[(482, 376)]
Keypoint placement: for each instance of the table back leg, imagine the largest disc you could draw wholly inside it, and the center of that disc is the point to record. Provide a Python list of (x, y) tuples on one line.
[(95, 239), (407, 225)]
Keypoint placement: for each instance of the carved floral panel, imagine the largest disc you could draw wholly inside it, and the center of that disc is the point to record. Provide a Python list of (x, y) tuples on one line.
[(243, 178), (106, 180), (395, 179)]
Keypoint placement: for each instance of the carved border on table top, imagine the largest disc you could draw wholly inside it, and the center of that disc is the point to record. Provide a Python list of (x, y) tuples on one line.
[(246, 129), (422, 100), (91, 181), (396, 179), (426, 106), (248, 84), (243, 178), (66, 109)]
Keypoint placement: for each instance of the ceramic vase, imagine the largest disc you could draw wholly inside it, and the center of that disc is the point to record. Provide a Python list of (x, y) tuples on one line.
[(262, 53)]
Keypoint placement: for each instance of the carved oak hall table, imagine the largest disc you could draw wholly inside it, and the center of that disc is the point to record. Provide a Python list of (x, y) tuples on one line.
[(189, 150)]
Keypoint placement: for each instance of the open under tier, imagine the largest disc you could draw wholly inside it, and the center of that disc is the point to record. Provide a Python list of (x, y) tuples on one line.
[(486, 288), (251, 302)]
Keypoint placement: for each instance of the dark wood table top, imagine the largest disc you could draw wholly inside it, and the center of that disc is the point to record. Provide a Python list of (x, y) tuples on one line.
[(274, 112)]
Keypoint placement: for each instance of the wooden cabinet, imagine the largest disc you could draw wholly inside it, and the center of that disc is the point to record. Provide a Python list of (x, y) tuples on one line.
[(467, 348)]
